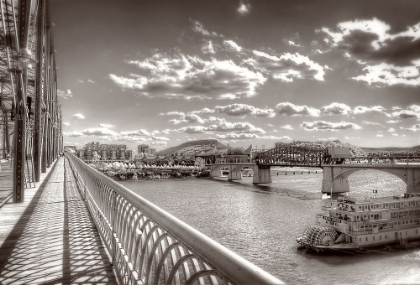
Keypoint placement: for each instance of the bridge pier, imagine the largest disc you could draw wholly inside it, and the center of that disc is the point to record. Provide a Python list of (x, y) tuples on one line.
[(216, 172), (235, 173), (262, 175), (332, 184), (413, 180)]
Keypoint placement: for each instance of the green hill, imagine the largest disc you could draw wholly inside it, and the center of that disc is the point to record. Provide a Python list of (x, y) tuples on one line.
[(199, 144)]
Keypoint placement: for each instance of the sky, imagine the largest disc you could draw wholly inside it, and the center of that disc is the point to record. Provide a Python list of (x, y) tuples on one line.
[(243, 72)]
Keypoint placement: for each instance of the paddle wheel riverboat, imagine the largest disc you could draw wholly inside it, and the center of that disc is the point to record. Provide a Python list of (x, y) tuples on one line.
[(350, 223)]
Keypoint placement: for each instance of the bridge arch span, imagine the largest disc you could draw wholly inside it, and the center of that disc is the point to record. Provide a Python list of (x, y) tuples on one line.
[(336, 177)]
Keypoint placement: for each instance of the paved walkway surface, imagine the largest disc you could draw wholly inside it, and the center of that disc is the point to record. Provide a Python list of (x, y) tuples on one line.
[(50, 238)]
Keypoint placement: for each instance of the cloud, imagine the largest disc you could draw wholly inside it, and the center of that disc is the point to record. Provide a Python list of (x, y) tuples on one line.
[(393, 121), (199, 28), (379, 136), (162, 143), (91, 81), (204, 111), (236, 136), (391, 130), (414, 128), (287, 127), (243, 110), (188, 118), (66, 123), (232, 45), (80, 81), (290, 109), (373, 123), (243, 8), (140, 133), (79, 116), (194, 129), (292, 43), (389, 74), (108, 126), (390, 59), (328, 126), (412, 111), (336, 109), (208, 47), (160, 138), (223, 126), (98, 132), (286, 67), (73, 134), (187, 77), (64, 94), (374, 110)]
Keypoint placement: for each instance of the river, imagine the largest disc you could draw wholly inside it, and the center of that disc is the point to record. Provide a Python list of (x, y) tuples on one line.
[(261, 224)]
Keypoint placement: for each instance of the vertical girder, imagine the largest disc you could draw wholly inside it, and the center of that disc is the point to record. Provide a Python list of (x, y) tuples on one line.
[(30, 114)]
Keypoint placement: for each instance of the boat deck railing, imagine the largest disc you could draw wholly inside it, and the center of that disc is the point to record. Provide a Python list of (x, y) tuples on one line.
[(150, 246)]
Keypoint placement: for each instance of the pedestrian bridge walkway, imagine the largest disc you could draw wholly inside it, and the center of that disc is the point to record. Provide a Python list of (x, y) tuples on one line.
[(50, 238), (70, 228)]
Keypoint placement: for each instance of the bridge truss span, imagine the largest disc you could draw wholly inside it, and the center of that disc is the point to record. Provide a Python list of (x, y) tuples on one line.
[(293, 156)]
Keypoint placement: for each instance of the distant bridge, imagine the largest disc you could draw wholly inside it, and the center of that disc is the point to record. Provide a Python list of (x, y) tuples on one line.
[(336, 170)]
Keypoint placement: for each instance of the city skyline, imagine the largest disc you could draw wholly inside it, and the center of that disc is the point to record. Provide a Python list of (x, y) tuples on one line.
[(242, 72)]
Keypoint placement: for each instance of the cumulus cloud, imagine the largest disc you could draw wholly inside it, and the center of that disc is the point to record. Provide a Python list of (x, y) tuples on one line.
[(336, 109), (373, 123), (159, 138), (91, 81), (328, 126), (204, 111), (393, 121), (287, 127), (236, 136), (98, 132), (73, 134), (162, 143), (243, 8), (64, 94), (208, 47), (109, 126), (221, 125), (66, 123), (243, 110), (140, 133), (194, 129), (379, 136), (188, 118), (79, 116), (414, 128), (391, 130), (232, 45), (374, 110), (390, 59), (187, 77), (290, 109), (199, 28), (412, 111), (286, 67)]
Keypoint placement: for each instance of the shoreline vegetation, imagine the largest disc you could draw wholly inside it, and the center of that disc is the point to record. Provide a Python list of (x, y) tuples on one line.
[(129, 172)]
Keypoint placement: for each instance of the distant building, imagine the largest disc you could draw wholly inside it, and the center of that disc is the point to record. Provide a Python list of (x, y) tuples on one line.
[(142, 148), (106, 151)]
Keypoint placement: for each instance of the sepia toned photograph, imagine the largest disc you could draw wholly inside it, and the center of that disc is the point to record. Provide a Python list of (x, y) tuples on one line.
[(209, 142)]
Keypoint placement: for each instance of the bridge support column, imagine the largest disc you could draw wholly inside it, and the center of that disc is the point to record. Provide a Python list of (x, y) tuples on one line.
[(215, 172), (413, 180), (262, 175), (338, 185), (235, 173)]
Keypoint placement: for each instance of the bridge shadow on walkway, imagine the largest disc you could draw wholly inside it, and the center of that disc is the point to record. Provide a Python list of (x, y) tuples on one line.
[(54, 241)]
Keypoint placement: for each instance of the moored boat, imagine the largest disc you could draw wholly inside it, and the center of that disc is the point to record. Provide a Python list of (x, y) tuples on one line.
[(351, 224)]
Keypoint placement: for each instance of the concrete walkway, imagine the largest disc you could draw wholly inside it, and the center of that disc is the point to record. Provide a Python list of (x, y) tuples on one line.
[(50, 238)]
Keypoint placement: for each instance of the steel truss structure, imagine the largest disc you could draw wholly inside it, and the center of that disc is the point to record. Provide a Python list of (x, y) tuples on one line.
[(292, 155), (30, 113)]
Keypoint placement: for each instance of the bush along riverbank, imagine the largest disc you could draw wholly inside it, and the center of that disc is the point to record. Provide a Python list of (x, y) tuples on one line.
[(151, 174)]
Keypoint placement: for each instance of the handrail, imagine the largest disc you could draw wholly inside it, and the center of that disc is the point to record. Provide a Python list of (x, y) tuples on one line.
[(148, 245)]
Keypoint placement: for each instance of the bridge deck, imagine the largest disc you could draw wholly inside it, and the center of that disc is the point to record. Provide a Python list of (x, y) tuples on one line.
[(50, 238)]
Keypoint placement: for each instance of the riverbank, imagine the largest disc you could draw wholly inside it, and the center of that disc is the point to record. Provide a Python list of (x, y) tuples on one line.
[(134, 174)]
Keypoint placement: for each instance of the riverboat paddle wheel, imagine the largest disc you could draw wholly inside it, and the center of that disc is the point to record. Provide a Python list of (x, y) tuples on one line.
[(315, 235)]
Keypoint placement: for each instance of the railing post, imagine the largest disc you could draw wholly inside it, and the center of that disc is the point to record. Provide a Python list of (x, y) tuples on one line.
[(84, 185), (113, 221)]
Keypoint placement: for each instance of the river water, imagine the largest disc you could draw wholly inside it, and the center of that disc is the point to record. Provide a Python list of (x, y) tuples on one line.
[(261, 223)]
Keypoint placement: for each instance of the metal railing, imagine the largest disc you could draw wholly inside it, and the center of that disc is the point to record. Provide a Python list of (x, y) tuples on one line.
[(150, 246)]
